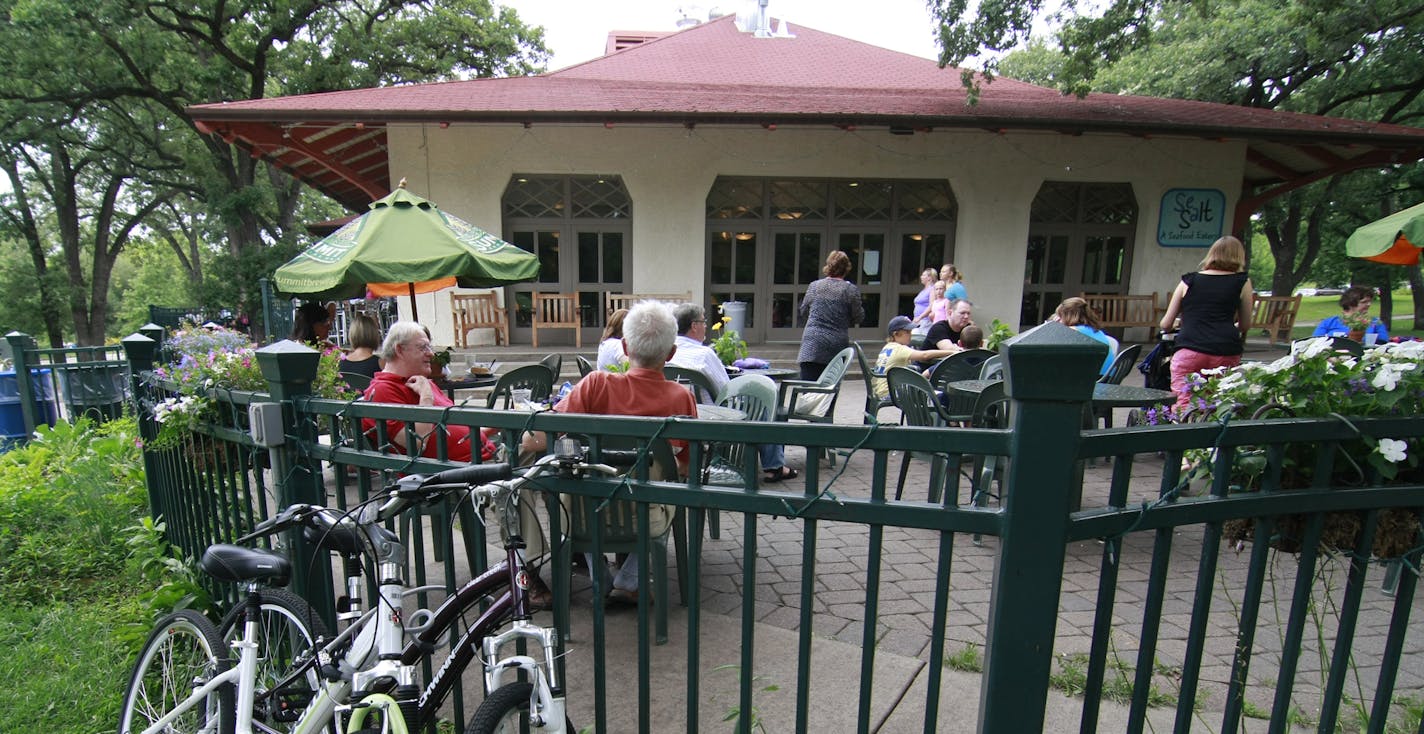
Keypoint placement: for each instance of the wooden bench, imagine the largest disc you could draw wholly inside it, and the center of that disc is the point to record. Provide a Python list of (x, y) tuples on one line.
[(478, 311), (1276, 316), (556, 311), (1120, 311), (614, 301)]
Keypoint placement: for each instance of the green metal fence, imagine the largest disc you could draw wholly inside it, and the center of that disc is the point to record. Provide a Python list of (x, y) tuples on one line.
[(67, 383), (220, 483)]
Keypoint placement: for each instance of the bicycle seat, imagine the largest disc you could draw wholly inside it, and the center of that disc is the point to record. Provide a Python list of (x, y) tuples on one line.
[(226, 562)]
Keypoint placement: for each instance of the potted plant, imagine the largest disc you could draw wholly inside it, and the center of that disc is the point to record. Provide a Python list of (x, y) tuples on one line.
[(1356, 322), (728, 345), (1314, 380)]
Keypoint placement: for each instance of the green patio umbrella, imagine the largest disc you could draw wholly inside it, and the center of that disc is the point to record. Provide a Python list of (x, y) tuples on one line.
[(404, 244), (1394, 240)]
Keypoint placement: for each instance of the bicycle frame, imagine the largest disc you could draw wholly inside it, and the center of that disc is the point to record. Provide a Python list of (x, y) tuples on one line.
[(380, 633)]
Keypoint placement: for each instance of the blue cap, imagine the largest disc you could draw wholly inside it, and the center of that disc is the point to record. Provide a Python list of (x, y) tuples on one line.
[(899, 323)]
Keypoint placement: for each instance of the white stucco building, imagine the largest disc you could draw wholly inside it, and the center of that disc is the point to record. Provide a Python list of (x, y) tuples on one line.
[(725, 164)]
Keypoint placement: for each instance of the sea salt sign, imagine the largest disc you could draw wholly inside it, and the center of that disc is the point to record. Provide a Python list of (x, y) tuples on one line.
[(1191, 217)]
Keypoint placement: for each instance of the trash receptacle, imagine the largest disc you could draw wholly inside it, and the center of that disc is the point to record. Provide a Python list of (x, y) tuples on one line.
[(12, 418), (736, 312), (96, 392)]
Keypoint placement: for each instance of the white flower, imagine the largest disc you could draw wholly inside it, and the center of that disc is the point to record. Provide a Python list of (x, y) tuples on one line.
[(1315, 347), (1387, 376), (1392, 450), (1284, 363)]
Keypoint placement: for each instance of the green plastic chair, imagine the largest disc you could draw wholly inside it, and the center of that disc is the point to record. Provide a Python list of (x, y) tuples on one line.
[(727, 462), (873, 402), (791, 407), (538, 379), (698, 381)]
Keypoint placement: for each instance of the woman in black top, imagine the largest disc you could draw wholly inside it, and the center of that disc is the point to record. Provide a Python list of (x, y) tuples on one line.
[(1214, 304)]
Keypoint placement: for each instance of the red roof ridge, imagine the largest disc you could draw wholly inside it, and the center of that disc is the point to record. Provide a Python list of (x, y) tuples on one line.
[(645, 44)]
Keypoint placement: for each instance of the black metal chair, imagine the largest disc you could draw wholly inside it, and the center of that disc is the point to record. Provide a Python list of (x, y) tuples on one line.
[(538, 379)]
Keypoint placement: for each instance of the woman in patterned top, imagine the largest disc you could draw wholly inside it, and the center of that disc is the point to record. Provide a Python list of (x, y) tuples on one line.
[(831, 306)]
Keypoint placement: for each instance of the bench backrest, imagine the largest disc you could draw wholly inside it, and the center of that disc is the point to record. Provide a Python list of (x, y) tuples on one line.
[(1276, 315), (1119, 310), (614, 301)]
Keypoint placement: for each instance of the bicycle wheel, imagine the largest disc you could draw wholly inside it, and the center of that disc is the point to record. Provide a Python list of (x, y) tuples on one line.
[(506, 711), (183, 652), (286, 629)]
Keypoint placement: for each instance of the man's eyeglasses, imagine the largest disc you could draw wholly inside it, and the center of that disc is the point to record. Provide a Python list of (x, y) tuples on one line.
[(423, 347), (699, 321)]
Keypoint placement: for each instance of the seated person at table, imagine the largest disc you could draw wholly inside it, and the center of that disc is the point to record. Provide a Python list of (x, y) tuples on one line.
[(1355, 299), (944, 335), (898, 353), (971, 338), (365, 336), (691, 353), (648, 334), (311, 324), (691, 330), (610, 349), (405, 380), (1076, 312)]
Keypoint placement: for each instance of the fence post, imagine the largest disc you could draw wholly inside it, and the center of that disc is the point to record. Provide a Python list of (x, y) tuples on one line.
[(21, 348), (1050, 372), (142, 354), (290, 368)]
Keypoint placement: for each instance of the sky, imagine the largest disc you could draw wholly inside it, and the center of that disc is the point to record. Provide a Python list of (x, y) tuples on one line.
[(576, 30)]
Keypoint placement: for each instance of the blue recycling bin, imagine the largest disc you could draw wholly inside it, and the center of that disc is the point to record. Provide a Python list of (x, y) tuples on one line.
[(12, 418)]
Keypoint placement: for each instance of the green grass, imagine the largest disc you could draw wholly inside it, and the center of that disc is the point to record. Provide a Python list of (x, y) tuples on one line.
[(967, 659), (77, 601), (1071, 678), (63, 671)]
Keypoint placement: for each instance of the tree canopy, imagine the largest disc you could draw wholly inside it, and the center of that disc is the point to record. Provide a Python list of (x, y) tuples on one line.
[(1347, 58), (98, 146)]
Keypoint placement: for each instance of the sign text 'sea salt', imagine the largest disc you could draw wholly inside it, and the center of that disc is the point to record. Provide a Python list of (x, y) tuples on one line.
[(1191, 217)]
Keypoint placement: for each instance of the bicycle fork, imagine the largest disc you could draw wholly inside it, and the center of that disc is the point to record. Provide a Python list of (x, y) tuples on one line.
[(546, 707)]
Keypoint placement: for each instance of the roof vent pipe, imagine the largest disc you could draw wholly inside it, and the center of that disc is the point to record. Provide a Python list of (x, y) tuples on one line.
[(763, 21)]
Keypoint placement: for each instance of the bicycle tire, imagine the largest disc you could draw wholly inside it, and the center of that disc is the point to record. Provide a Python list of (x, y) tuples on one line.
[(183, 648), (505, 711), (287, 628)]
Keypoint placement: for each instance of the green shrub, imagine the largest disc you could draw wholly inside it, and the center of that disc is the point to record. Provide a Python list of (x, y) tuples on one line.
[(67, 499)]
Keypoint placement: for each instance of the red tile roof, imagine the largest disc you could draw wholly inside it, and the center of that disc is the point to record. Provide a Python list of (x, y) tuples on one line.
[(716, 74)]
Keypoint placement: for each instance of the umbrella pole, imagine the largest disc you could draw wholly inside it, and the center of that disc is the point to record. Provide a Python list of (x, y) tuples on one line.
[(414, 310)]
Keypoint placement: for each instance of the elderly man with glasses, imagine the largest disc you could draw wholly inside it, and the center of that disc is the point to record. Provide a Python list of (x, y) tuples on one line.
[(404, 380), (691, 352)]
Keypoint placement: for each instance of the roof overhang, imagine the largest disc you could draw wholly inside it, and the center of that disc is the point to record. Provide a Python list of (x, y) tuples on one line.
[(337, 142)]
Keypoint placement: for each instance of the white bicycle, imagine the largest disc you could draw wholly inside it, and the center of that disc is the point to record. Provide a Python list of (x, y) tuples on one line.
[(290, 678)]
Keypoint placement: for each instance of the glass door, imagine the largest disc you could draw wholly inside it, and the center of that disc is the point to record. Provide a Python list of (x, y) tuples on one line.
[(870, 273), (732, 275), (794, 259), (1045, 277)]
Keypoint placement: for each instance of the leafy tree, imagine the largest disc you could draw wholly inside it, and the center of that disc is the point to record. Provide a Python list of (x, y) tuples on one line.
[(116, 76), (1356, 58)]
